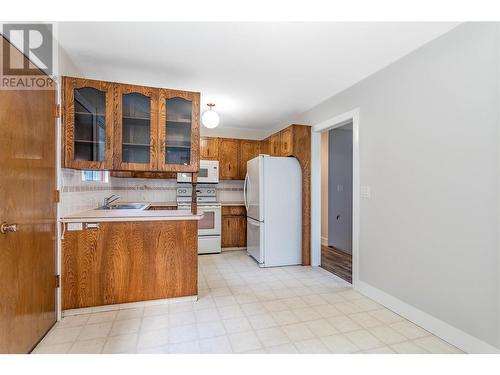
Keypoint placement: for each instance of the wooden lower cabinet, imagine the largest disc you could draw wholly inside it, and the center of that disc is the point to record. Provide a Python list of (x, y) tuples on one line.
[(122, 262), (234, 226)]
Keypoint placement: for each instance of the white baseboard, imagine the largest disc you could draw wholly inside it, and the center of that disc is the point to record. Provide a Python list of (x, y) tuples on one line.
[(454, 336)]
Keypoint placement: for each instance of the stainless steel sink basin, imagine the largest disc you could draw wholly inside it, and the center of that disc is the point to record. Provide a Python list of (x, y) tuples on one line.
[(124, 206)]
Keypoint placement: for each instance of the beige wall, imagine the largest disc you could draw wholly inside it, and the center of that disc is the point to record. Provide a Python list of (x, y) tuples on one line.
[(324, 188), (429, 151)]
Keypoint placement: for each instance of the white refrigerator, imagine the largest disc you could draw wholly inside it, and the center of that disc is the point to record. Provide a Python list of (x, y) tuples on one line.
[(273, 199)]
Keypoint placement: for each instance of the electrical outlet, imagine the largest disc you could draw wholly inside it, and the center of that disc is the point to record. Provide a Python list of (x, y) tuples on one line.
[(365, 192)]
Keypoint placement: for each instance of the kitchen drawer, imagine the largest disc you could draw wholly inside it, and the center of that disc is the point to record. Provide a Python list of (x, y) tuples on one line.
[(234, 211)]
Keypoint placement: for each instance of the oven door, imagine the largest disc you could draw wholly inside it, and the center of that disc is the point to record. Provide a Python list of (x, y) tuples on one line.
[(210, 224)]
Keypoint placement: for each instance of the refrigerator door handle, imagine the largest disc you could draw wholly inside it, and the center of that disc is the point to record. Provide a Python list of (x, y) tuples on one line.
[(245, 191)]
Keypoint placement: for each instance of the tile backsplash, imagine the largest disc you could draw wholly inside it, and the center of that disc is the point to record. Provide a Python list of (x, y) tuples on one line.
[(78, 195)]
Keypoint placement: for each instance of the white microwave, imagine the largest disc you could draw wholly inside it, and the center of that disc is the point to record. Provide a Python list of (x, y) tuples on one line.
[(208, 173)]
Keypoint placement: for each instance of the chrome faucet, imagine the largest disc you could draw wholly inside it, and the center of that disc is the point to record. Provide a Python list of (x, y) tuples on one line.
[(110, 199)]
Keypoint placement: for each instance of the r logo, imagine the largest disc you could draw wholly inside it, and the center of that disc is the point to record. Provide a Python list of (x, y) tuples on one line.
[(35, 42)]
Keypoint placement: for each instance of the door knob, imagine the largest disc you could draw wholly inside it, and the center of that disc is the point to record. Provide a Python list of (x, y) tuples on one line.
[(4, 228)]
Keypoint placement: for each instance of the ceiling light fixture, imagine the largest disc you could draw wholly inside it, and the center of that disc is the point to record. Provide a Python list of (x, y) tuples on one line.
[(210, 118)]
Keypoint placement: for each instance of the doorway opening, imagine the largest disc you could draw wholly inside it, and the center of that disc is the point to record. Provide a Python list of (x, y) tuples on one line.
[(336, 200)]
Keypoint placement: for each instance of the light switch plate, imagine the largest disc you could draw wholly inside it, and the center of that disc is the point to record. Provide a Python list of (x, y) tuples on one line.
[(75, 226), (365, 192)]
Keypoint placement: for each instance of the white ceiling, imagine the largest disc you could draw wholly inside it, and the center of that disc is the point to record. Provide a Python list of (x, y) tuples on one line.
[(260, 75)]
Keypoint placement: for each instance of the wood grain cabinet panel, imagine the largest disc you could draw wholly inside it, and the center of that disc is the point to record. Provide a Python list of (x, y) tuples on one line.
[(87, 119), (209, 148), (136, 128), (248, 150), (265, 146), (234, 211), (230, 231), (275, 145), (179, 131), (124, 262), (242, 228), (286, 142), (121, 127), (229, 159), (234, 226), (301, 149)]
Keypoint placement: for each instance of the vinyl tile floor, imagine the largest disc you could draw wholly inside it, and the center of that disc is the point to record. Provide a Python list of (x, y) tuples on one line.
[(242, 308)]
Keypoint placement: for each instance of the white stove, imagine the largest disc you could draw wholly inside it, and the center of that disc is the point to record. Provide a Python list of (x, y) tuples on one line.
[(209, 227)]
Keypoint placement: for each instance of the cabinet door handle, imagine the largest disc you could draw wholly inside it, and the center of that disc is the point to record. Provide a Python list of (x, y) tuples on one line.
[(6, 228)]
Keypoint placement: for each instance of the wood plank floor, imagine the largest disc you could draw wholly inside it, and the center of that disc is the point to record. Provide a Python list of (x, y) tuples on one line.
[(337, 262)]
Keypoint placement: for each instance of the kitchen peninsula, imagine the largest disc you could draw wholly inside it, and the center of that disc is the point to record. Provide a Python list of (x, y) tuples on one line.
[(119, 256)]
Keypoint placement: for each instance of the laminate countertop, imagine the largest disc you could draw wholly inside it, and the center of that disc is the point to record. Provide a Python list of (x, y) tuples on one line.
[(144, 214), (227, 203)]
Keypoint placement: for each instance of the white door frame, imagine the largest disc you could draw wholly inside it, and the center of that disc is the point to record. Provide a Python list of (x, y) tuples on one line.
[(317, 129)]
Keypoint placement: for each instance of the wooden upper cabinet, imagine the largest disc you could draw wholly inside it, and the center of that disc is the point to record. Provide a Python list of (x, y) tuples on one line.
[(136, 128), (209, 148), (248, 150), (275, 145), (265, 146), (179, 131), (229, 159), (286, 142), (122, 127), (88, 124)]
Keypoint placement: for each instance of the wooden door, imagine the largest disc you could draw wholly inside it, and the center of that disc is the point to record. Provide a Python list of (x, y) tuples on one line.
[(286, 142), (179, 131), (88, 124), (228, 159), (27, 188), (136, 128), (248, 150), (209, 148)]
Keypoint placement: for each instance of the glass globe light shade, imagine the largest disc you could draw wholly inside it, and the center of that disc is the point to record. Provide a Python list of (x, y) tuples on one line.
[(210, 119)]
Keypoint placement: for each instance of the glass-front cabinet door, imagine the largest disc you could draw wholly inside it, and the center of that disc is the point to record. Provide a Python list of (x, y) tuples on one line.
[(136, 117), (179, 131), (88, 123)]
